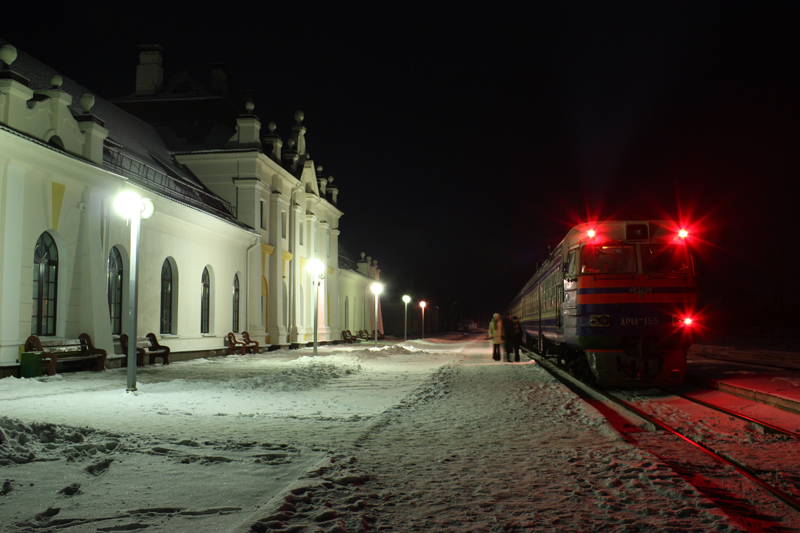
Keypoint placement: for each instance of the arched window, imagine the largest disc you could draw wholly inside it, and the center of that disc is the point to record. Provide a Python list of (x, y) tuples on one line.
[(45, 270), (205, 302), (115, 290), (166, 298), (236, 303)]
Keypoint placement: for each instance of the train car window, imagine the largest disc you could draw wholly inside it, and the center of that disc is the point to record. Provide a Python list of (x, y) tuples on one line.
[(665, 259), (597, 259)]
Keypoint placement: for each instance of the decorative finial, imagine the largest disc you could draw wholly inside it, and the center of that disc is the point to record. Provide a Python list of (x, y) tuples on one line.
[(8, 54), (272, 126), (56, 81), (290, 142), (319, 168), (330, 179), (299, 116), (87, 101), (249, 106)]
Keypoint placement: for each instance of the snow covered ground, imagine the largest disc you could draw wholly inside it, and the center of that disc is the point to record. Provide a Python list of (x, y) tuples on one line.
[(419, 436)]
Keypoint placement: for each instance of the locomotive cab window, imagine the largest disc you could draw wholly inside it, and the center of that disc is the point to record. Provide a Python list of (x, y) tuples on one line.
[(665, 259), (571, 266), (596, 259)]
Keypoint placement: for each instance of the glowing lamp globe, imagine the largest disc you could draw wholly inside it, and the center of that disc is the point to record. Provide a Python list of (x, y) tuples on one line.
[(315, 267)]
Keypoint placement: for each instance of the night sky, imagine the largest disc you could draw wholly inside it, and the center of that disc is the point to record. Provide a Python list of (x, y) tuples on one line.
[(466, 141)]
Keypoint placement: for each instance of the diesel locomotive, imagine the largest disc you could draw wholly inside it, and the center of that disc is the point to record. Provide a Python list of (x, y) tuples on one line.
[(613, 303)]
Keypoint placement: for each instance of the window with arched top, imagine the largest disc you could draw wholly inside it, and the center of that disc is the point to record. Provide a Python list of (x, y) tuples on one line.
[(205, 302), (166, 298), (45, 276), (115, 271), (236, 303)]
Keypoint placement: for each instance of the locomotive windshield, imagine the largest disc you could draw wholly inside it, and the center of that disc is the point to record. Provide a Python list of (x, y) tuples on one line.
[(617, 259), (665, 259)]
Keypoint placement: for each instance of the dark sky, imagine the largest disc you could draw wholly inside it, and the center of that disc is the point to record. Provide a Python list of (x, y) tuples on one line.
[(465, 141)]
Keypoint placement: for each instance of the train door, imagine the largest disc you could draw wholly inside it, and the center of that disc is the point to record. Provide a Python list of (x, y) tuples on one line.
[(559, 296), (570, 295)]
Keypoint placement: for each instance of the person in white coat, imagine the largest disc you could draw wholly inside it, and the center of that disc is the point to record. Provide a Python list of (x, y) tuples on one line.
[(496, 335)]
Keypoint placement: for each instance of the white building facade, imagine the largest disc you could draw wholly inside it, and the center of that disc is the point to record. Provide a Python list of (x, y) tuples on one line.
[(237, 218)]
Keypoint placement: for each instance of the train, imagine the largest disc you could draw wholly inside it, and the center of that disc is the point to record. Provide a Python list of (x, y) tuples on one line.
[(614, 303)]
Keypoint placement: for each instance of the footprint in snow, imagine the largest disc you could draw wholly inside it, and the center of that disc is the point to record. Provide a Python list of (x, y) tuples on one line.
[(98, 468)]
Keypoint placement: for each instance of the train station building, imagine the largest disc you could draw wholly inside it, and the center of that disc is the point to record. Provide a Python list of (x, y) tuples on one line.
[(240, 209)]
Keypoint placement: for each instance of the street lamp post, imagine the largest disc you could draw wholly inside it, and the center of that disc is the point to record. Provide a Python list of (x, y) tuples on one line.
[(406, 299), (134, 208), (422, 305), (317, 269), (377, 288)]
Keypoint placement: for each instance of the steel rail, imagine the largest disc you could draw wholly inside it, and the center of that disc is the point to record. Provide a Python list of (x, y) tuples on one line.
[(785, 497), (728, 412)]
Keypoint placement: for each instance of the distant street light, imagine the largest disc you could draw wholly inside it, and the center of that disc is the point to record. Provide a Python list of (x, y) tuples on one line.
[(317, 269), (377, 288), (134, 208), (406, 299), (422, 305)]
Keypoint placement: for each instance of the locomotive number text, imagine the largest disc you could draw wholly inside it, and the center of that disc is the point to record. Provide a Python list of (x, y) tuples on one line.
[(639, 321)]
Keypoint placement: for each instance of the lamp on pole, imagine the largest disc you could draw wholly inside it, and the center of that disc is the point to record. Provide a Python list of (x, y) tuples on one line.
[(422, 304), (133, 207), (317, 269), (376, 288), (406, 299)]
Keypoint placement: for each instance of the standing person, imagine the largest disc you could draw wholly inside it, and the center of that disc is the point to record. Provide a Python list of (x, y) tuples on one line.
[(496, 334), (517, 337), (508, 335)]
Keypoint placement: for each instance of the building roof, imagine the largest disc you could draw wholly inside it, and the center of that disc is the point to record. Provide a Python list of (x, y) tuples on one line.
[(133, 148)]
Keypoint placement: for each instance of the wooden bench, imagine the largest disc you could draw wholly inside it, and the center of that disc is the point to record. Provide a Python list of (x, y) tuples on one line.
[(147, 347), (241, 343), (56, 351), (348, 337), (364, 334)]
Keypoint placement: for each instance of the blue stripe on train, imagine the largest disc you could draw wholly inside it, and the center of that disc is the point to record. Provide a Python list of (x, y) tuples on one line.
[(626, 290)]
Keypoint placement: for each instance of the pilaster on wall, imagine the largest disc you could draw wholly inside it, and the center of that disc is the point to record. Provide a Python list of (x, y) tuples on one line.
[(334, 320), (296, 321), (12, 191), (248, 200), (261, 292), (278, 294), (94, 315)]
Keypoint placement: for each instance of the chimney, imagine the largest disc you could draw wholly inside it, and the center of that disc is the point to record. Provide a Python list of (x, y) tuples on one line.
[(149, 73), (219, 79)]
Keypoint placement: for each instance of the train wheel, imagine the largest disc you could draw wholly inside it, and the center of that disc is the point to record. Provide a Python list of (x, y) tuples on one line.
[(579, 368)]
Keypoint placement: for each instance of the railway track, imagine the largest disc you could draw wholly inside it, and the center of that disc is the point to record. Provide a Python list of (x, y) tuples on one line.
[(746, 466)]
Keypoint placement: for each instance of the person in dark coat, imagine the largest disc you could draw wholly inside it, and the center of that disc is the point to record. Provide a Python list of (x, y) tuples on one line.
[(508, 336), (516, 336)]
